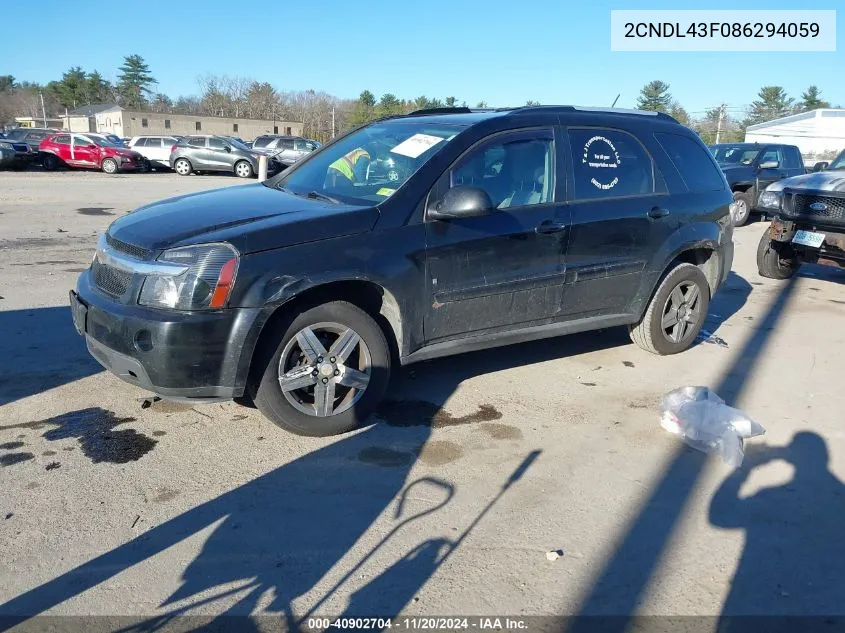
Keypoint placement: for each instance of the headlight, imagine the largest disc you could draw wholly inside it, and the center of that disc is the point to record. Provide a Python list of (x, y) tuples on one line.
[(205, 285), (770, 200), (6, 145)]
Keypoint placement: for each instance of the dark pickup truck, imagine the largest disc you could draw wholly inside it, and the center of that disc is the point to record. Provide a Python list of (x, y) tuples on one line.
[(751, 167)]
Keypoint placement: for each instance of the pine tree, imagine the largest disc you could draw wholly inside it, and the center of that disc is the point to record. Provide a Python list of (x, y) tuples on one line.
[(655, 96), (135, 81), (451, 102), (97, 89), (812, 100), (772, 102), (72, 89)]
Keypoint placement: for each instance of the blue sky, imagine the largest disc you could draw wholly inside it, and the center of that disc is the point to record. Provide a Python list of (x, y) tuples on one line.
[(501, 52)]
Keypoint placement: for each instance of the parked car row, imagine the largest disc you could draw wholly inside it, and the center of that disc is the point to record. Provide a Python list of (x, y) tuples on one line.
[(184, 155)]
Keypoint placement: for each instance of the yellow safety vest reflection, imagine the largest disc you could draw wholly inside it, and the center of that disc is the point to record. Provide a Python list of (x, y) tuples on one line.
[(346, 164)]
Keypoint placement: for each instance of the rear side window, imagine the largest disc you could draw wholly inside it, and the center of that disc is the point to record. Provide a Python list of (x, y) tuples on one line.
[(196, 141), (791, 158), (692, 161), (62, 139), (153, 142), (609, 164), (141, 142)]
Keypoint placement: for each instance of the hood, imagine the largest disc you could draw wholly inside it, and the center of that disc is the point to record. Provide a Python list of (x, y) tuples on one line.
[(819, 181), (251, 217)]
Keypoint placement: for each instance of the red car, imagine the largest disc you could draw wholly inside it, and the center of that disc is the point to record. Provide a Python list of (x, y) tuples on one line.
[(93, 151)]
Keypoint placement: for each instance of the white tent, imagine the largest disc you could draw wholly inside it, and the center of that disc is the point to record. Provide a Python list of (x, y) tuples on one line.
[(818, 133)]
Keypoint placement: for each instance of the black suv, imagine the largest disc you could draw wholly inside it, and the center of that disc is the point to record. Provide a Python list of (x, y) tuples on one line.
[(751, 167), (303, 292), (808, 222)]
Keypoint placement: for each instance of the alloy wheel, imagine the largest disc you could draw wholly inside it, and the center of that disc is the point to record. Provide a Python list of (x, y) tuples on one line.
[(739, 209), (681, 312), (243, 170), (182, 167), (324, 369)]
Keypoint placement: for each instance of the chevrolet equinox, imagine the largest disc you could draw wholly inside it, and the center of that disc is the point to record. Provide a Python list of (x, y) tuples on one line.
[(413, 237)]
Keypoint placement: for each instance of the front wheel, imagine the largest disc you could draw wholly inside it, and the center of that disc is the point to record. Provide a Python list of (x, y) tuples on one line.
[(49, 162), (243, 169), (775, 260), (324, 371), (741, 208), (109, 166), (676, 313)]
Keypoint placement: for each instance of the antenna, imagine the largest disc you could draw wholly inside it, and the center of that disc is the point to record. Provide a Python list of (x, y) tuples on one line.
[(615, 100)]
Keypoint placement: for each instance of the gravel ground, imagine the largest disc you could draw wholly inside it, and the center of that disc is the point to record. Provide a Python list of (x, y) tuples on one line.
[(108, 508)]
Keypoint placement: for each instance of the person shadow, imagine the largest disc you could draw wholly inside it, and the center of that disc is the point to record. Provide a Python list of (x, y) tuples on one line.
[(794, 553)]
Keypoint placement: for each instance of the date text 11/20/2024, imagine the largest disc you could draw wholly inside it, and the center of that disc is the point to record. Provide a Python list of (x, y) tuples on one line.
[(721, 29), (420, 624)]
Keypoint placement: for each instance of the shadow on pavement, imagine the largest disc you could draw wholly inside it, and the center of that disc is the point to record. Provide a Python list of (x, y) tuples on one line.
[(40, 350)]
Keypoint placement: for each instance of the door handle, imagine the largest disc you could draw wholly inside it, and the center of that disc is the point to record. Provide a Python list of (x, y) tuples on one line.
[(547, 227), (656, 213)]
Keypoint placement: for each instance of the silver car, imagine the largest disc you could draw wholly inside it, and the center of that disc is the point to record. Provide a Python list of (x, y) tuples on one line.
[(216, 153), (285, 149)]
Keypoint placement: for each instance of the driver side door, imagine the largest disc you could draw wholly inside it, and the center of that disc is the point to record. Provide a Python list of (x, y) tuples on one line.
[(83, 152), (505, 268)]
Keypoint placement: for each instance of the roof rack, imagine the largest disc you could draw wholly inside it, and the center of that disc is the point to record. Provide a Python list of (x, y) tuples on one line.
[(445, 110)]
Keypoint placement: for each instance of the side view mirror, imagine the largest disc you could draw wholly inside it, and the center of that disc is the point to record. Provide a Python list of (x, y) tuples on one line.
[(821, 166), (462, 202), (227, 148), (770, 164)]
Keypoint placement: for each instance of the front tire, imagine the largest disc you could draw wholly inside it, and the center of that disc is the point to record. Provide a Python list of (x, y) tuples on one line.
[(676, 312), (324, 371), (109, 166), (243, 169), (775, 260), (183, 167), (741, 210)]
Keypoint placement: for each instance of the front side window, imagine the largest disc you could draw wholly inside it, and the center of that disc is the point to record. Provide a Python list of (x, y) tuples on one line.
[(370, 164), (216, 143), (81, 141), (262, 141), (514, 169), (772, 156), (839, 162), (153, 142), (735, 155), (609, 164)]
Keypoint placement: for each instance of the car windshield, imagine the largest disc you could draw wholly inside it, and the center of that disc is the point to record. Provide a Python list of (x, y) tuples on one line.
[(368, 165), (735, 155), (838, 162)]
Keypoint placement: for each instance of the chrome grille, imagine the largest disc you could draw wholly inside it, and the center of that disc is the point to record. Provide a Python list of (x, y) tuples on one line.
[(21, 148), (130, 249), (800, 207), (110, 280)]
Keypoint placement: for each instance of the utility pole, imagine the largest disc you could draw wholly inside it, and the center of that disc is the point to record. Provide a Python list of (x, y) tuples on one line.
[(43, 113), (332, 121), (719, 125)]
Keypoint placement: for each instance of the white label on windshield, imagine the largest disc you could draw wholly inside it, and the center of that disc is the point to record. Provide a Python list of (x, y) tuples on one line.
[(416, 145)]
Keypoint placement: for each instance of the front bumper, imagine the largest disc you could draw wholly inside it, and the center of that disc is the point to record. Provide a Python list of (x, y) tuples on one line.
[(177, 355), (830, 253)]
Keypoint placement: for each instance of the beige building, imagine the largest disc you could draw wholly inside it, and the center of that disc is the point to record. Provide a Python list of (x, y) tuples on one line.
[(112, 119)]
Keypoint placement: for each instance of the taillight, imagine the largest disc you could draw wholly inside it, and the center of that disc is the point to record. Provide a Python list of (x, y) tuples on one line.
[(172, 149)]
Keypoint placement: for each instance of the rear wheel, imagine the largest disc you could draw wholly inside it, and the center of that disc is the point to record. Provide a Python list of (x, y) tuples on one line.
[(741, 208), (109, 166), (775, 260), (243, 169), (676, 312), (50, 162), (182, 166), (324, 372)]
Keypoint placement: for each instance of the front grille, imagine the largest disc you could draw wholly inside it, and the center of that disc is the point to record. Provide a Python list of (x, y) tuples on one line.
[(110, 280), (800, 208), (130, 249), (21, 148)]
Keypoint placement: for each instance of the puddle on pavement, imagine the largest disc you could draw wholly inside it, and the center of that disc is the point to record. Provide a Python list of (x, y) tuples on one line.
[(387, 457), (589, 384), (165, 494), (94, 210), (439, 452), (403, 413), (94, 428), (8, 446), (628, 363), (48, 453), (501, 431), (10, 459), (53, 466), (159, 433)]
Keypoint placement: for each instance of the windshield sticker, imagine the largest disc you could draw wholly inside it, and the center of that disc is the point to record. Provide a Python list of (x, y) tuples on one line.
[(416, 145), (385, 191), (600, 154)]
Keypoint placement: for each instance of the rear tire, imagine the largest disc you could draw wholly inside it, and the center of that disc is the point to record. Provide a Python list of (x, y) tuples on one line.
[(365, 359), (742, 208), (665, 329), (109, 166), (775, 260), (183, 167), (243, 169), (49, 162)]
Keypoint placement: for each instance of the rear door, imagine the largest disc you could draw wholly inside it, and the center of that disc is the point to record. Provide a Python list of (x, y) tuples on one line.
[(154, 149), (84, 152), (506, 268), (620, 206), (199, 156)]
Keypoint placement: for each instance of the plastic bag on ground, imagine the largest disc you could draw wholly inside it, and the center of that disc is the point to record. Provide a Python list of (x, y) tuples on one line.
[(704, 422)]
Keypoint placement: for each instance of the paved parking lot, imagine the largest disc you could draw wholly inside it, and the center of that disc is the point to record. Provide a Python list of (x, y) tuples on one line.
[(109, 508)]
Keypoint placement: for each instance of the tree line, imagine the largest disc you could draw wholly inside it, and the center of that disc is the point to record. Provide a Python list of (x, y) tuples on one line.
[(324, 115)]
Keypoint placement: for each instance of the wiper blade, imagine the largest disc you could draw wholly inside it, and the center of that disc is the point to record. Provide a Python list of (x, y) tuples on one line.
[(316, 195)]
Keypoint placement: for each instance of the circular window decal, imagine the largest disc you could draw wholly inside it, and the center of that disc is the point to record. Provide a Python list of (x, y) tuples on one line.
[(602, 159)]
